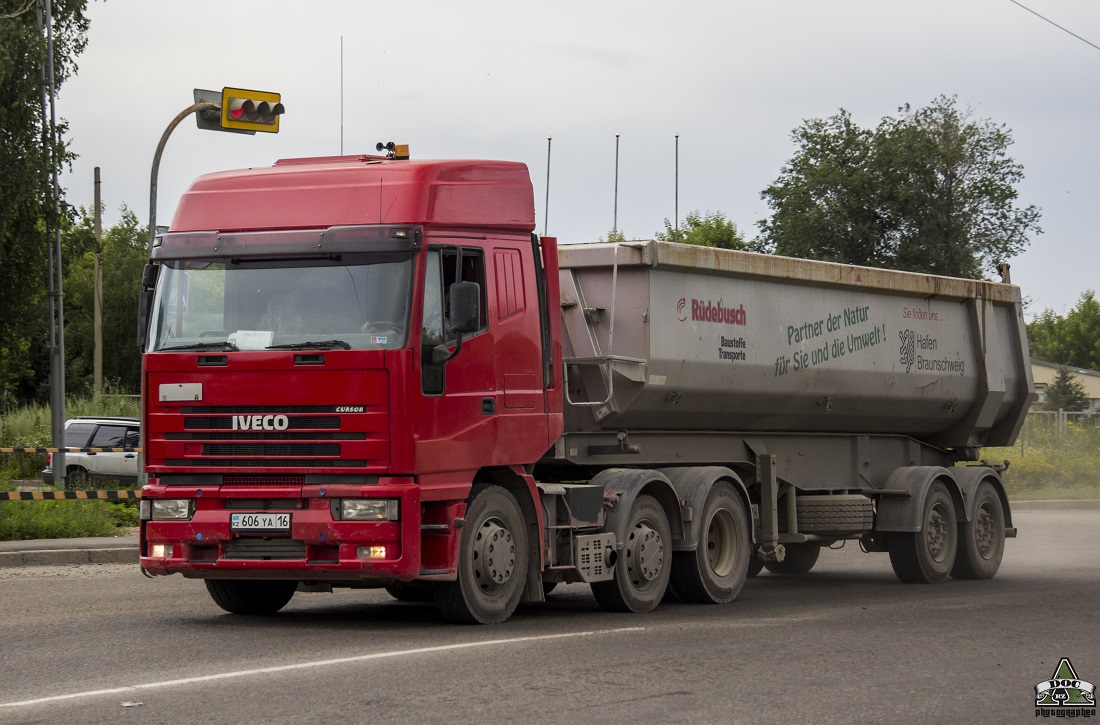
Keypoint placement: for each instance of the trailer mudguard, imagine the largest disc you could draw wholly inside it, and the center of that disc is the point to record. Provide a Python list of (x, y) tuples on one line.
[(622, 485), (692, 486), (969, 478), (895, 512)]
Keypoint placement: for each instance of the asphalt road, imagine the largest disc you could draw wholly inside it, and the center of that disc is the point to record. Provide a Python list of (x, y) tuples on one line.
[(846, 643)]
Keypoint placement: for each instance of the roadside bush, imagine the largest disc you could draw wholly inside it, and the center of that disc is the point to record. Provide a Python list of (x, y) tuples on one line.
[(56, 519), (1050, 463)]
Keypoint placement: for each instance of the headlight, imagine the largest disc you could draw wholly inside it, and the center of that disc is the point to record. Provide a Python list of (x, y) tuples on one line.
[(171, 509), (369, 509)]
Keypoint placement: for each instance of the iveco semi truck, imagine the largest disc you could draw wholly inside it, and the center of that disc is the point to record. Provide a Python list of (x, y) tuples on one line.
[(368, 371)]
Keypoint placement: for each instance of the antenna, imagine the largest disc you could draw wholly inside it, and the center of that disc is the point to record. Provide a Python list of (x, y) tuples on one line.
[(546, 207), (676, 201), (615, 218), (341, 95)]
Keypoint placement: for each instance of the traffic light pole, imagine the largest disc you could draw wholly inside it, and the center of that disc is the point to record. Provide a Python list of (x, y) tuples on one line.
[(197, 107)]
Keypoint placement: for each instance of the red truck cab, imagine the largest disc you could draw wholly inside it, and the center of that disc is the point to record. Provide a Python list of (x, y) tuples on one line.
[(314, 413)]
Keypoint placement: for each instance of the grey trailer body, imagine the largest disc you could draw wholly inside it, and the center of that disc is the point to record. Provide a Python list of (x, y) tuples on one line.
[(835, 400)]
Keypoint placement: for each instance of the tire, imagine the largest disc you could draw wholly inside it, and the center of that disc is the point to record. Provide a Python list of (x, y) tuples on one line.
[(756, 565), (644, 564), (799, 559), (927, 556), (715, 572), (410, 592), (492, 561), (77, 478), (982, 539), (248, 596)]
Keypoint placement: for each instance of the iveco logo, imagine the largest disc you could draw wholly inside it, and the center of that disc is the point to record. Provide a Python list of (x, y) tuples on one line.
[(349, 409), (260, 422)]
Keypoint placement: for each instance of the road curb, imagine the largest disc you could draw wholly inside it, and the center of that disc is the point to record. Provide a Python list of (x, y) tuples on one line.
[(1084, 504), (55, 557)]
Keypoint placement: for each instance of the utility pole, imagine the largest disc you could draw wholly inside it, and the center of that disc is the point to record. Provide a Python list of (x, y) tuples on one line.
[(97, 295), (54, 289)]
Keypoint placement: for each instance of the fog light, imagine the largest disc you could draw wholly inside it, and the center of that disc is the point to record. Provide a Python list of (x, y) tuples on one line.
[(368, 509), (171, 509), (160, 551), (370, 552)]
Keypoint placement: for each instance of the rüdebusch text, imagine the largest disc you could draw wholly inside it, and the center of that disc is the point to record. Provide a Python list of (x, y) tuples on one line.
[(703, 311)]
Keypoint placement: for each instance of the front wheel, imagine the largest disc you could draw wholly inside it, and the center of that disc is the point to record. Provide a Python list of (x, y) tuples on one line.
[(716, 570), (982, 539), (247, 596), (644, 564), (492, 561), (927, 556)]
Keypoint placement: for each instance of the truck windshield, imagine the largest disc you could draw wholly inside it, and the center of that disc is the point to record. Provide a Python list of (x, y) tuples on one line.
[(248, 304)]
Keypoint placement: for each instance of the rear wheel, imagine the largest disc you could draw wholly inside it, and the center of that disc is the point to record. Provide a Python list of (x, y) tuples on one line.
[(927, 556), (982, 539), (644, 564), (799, 559), (492, 561), (246, 596), (716, 570), (756, 564)]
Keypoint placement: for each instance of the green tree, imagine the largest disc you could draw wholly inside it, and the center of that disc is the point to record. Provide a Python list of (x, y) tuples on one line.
[(931, 190), (1065, 392), (1070, 340), (705, 230), (123, 258), (26, 207)]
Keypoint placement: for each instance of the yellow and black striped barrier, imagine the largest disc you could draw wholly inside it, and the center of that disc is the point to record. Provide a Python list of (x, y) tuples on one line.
[(70, 450), (113, 495)]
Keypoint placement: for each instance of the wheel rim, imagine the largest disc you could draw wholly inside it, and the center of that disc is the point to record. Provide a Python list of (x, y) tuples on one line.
[(985, 534), (936, 534), (645, 554), (721, 543), (494, 555)]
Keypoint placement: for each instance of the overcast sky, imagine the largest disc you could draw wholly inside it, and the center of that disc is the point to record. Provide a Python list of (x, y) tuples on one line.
[(482, 79)]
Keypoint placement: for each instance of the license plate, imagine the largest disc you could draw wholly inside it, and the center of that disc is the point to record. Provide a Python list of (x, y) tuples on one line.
[(260, 522)]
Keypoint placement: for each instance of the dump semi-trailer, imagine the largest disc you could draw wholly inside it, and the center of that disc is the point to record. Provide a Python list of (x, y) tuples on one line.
[(368, 372)]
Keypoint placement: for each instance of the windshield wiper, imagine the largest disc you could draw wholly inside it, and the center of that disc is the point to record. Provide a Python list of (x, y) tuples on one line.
[(221, 345), (311, 345)]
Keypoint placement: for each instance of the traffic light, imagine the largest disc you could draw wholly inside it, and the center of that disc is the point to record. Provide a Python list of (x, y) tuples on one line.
[(246, 110)]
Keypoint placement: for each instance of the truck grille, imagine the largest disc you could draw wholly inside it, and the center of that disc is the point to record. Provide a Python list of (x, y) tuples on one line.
[(331, 450), (245, 437), (263, 463), (265, 549), (226, 422)]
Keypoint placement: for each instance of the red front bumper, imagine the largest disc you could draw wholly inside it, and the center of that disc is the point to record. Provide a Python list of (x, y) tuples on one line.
[(318, 545)]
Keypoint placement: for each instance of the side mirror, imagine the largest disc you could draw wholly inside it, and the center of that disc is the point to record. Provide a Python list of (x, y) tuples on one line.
[(149, 275), (145, 305), (465, 306), (465, 317)]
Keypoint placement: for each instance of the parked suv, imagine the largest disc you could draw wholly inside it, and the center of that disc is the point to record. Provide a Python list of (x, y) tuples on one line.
[(88, 432)]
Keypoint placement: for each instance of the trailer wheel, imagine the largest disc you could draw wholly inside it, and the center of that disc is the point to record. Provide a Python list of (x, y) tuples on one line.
[(800, 559), (248, 596), (644, 564), (927, 556), (492, 561), (982, 539), (716, 570)]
